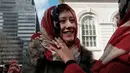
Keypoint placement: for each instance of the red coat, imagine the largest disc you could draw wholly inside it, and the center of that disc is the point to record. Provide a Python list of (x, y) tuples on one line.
[(115, 66)]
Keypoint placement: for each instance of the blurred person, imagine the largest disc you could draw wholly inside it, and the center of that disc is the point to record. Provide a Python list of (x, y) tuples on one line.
[(116, 56), (13, 67), (117, 17), (59, 22)]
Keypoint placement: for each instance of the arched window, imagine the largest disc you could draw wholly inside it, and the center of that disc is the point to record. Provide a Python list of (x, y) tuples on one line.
[(88, 31)]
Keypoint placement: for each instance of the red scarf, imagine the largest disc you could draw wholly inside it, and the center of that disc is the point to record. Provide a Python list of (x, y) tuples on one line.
[(120, 42), (121, 37), (117, 47)]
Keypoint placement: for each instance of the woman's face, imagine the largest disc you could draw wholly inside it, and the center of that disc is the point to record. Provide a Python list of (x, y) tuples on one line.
[(117, 16), (68, 26)]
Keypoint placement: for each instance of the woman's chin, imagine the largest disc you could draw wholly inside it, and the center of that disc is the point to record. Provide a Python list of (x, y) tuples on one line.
[(70, 42)]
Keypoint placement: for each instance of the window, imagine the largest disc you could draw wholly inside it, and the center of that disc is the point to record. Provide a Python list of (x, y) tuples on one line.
[(88, 31)]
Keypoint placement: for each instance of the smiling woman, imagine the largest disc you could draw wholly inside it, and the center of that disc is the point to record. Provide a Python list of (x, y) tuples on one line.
[(60, 32), (67, 26)]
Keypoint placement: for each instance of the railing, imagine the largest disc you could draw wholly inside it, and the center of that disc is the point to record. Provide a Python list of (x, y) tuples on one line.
[(3, 65)]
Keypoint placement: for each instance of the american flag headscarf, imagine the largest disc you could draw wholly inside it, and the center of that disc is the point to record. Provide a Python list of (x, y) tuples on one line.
[(49, 30)]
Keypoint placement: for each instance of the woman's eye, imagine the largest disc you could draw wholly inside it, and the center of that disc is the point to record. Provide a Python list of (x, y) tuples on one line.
[(72, 20), (62, 21)]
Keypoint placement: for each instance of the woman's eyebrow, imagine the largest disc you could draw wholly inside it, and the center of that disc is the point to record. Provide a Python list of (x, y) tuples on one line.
[(62, 17)]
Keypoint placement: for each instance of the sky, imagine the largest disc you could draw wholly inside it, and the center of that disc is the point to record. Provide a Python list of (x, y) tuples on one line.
[(42, 5)]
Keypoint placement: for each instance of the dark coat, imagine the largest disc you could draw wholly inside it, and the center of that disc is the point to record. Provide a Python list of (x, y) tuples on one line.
[(45, 66)]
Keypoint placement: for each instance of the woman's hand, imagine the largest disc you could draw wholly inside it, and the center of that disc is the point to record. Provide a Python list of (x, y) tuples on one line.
[(62, 50)]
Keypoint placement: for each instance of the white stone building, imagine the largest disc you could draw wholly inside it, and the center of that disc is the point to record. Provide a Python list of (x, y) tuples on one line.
[(96, 21)]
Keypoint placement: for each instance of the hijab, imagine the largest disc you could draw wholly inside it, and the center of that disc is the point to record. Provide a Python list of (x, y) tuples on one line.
[(50, 28)]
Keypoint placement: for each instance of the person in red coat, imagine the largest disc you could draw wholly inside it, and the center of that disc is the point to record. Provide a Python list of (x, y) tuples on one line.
[(14, 67), (116, 56)]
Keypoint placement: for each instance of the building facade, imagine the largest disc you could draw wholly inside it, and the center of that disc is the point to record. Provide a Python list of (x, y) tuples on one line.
[(17, 24), (96, 21)]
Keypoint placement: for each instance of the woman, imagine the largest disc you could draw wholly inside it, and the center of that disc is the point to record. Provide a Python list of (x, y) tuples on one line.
[(59, 22), (116, 56)]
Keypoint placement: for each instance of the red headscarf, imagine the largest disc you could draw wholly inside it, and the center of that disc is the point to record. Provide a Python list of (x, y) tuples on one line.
[(47, 22)]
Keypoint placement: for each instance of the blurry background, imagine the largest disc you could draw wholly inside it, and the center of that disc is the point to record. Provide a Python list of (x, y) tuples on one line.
[(17, 24), (19, 19)]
